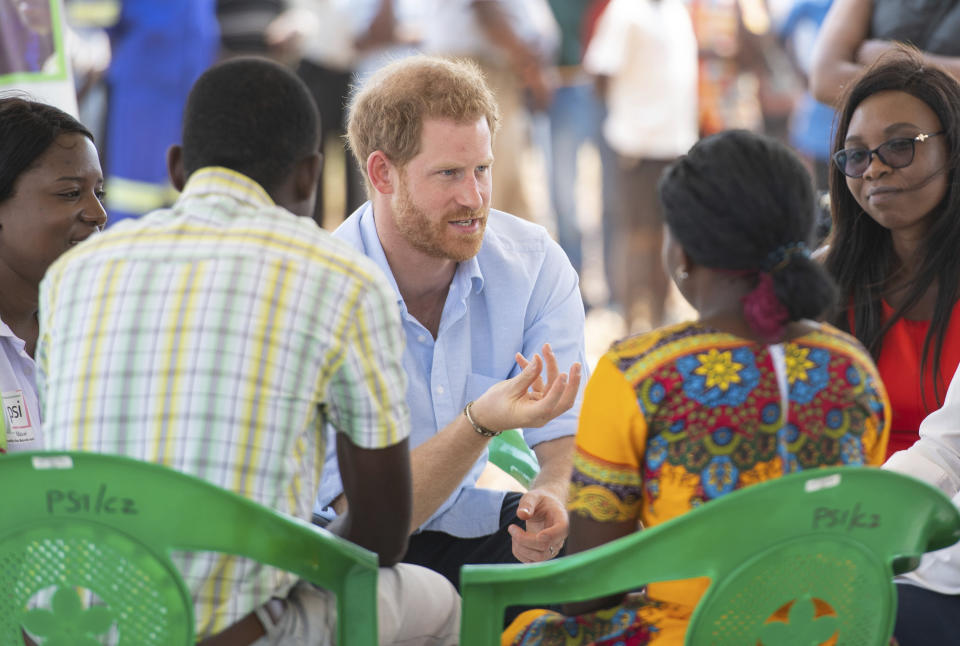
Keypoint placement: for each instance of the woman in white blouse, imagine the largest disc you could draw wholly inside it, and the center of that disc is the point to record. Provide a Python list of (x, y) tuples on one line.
[(51, 188)]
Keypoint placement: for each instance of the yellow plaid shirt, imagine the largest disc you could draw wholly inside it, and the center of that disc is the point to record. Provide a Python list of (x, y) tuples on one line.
[(215, 337)]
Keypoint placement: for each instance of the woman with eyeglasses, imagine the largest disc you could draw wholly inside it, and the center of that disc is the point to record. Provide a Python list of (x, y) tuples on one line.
[(895, 245), (895, 252), (50, 191)]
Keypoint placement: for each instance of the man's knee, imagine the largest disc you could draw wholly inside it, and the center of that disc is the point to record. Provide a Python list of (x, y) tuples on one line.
[(417, 606)]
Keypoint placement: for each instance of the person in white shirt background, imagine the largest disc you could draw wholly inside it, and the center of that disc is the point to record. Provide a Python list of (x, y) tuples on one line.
[(644, 57)]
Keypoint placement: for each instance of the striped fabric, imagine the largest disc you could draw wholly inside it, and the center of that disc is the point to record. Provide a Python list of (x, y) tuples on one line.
[(214, 338)]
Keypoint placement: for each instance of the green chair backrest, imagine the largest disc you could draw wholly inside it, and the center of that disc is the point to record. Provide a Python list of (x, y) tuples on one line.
[(510, 452), (829, 539), (107, 524)]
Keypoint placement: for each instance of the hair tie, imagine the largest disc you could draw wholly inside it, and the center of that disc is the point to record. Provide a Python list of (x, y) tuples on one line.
[(779, 257), (763, 311)]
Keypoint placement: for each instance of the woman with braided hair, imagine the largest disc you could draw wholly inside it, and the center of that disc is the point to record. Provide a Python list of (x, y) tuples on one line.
[(751, 390)]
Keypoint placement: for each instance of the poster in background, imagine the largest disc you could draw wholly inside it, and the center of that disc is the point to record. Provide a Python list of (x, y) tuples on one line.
[(33, 59)]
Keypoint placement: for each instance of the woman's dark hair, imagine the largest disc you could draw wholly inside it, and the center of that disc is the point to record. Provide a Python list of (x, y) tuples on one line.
[(744, 203), (861, 257), (27, 128)]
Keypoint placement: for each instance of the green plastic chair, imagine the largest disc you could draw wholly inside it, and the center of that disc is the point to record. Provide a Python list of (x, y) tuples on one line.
[(835, 536), (107, 524), (510, 452)]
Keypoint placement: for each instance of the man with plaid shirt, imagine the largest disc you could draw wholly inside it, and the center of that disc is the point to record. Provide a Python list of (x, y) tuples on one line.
[(216, 337)]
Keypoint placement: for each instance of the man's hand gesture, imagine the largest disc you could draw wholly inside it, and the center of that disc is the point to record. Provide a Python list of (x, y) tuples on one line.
[(527, 400)]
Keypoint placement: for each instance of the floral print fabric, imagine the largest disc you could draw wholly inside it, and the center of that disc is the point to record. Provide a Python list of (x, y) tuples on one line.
[(677, 417)]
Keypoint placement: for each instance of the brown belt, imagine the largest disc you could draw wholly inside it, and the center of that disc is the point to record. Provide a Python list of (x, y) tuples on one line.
[(247, 630)]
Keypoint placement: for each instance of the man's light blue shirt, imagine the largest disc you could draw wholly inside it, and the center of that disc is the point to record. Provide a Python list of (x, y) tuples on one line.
[(516, 294)]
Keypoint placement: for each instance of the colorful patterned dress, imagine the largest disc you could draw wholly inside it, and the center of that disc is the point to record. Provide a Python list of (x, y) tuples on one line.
[(677, 417)]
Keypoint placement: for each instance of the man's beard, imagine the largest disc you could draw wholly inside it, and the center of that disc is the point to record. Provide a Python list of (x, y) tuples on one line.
[(429, 236)]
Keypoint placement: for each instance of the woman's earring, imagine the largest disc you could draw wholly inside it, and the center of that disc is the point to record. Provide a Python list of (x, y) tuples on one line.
[(682, 275)]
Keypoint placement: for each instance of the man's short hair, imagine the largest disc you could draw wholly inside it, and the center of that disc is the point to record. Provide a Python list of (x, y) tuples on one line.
[(388, 112), (253, 116)]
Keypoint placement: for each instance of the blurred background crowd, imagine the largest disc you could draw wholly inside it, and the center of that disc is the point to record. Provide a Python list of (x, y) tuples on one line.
[(597, 97)]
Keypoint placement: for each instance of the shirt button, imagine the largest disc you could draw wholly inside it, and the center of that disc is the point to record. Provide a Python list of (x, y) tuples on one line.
[(421, 339), (440, 390)]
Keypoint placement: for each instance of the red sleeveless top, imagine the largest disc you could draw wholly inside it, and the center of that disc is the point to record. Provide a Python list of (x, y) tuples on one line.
[(899, 366)]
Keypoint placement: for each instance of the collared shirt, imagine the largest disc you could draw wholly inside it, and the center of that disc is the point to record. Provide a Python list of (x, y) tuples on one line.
[(516, 294), (215, 338), (935, 458), (21, 429)]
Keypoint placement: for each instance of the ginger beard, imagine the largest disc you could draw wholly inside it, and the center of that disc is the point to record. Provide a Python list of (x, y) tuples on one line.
[(439, 237)]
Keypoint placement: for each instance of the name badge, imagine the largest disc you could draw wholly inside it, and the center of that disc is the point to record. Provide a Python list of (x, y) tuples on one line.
[(17, 416)]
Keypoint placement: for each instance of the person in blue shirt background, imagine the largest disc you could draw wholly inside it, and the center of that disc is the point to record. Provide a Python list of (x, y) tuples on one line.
[(811, 123), (160, 47)]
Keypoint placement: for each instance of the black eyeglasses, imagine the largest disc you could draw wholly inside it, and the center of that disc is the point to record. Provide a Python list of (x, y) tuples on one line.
[(896, 153)]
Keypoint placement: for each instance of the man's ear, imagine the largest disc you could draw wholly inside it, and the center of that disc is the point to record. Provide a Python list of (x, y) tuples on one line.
[(307, 177), (379, 171), (686, 263), (175, 166)]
